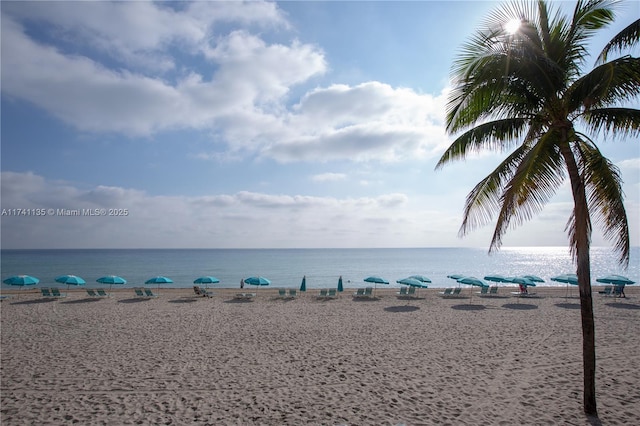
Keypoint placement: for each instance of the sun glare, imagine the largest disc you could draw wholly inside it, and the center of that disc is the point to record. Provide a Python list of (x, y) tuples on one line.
[(512, 26)]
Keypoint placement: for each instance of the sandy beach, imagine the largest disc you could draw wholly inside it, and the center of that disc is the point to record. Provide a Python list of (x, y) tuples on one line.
[(178, 359)]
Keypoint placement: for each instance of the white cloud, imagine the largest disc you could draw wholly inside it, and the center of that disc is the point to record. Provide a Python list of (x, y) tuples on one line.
[(329, 177), (241, 96)]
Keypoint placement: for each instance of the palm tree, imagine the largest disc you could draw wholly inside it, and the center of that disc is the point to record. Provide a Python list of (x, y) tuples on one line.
[(526, 92)]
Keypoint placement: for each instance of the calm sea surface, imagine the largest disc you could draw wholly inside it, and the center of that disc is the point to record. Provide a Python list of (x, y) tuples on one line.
[(286, 267)]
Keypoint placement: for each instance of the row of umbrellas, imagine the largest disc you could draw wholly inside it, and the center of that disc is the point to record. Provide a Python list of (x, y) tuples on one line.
[(419, 281)]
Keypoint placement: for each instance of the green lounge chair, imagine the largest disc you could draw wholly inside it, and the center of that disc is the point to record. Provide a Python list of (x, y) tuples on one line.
[(102, 293), (446, 292), (403, 291), (55, 292), (368, 292), (293, 292), (46, 292), (607, 291), (483, 291), (282, 293), (359, 293), (149, 293), (411, 291), (323, 293), (332, 293), (92, 293), (139, 293)]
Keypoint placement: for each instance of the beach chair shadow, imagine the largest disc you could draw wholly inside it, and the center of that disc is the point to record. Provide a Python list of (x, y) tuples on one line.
[(519, 306), (468, 307), (622, 305), (403, 308)]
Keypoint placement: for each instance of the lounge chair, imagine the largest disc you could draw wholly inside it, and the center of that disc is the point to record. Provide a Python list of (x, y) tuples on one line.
[(282, 292), (140, 293), (149, 293), (606, 291), (92, 293), (102, 293), (293, 293), (359, 293), (493, 291), (368, 292), (244, 296), (411, 292), (446, 292), (55, 292), (202, 292), (403, 291), (483, 291), (323, 293), (332, 293), (46, 292)]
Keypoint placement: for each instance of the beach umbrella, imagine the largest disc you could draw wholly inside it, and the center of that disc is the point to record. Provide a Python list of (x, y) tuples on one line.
[(159, 280), (206, 280), (376, 280), (340, 286), (456, 276), (524, 281), (498, 278), (534, 278), (257, 281), (615, 280), (21, 280), (420, 278), (111, 280), (472, 281), (568, 279), (303, 284), (70, 280), (412, 282)]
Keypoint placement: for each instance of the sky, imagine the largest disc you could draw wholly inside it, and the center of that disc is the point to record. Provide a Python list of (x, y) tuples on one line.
[(248, 125)]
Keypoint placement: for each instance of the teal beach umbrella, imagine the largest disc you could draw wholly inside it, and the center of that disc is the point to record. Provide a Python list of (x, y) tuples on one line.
[(70, 280), (498, 278), (206, 280), (111, 280), (159, 280), (615, 280), (257, 281), (420, 278), (303, 284), (340, 285), (376, 280), (21, 280)]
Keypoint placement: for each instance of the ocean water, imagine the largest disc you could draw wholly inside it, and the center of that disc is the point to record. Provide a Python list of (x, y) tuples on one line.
[(286, 267)]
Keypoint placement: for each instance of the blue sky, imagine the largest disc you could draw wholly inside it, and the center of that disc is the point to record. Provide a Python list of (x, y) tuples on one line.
[(260, 124)]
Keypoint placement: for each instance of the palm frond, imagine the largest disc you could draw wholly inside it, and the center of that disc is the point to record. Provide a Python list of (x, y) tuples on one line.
[(536, 179), (617, 122), (495, 134), (484, 200), (606, 85), (605, 197), (625, 39)]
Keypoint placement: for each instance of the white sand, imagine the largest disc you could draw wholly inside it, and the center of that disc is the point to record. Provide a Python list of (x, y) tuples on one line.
[(180, 360)]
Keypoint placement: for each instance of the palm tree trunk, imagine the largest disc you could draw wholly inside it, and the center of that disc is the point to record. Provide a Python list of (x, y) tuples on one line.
[(581, 241)]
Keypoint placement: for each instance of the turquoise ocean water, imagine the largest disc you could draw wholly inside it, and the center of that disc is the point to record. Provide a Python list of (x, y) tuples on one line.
[(286, 267)]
